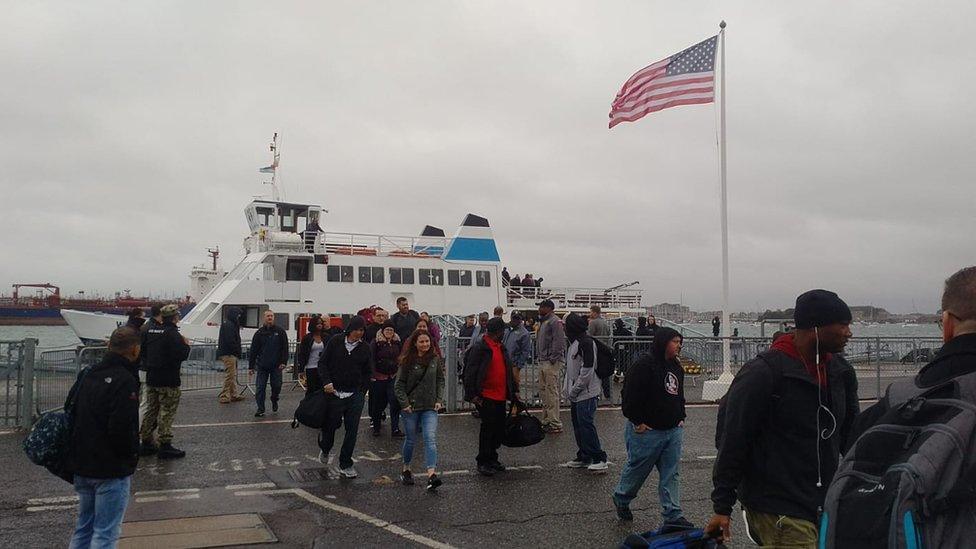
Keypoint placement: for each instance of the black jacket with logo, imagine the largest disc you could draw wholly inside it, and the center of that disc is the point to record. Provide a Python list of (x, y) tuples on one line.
[(105, 433), (346, 371), (654, 393), (163, 351), (771, 435)]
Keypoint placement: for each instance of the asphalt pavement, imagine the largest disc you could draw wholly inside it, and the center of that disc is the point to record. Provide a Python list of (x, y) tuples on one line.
[(237, 464)]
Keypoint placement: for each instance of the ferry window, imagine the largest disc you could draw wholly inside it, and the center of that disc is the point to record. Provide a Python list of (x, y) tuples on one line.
[(297, 269), (338, 273), (431, 277), (453, 279), (401, 275), (371, 275), (346, 272), (332, 273), (251, 317), (281, 320), (264, 216), (465, 278), (484, 278)]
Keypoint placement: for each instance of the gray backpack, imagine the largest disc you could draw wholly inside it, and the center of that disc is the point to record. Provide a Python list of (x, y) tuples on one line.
[(909, 481)]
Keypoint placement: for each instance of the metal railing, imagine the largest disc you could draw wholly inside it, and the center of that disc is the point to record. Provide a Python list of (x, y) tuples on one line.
[(380, 245), (38, 382), (569, 298)]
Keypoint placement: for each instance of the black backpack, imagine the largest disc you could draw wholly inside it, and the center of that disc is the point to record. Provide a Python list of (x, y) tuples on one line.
[(720, 420), (312, 411), (605, 364), (522, 429)]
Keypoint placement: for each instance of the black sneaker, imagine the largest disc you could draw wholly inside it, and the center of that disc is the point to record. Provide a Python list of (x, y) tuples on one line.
[(274, 405), (623, 511), (406, 477), (486, 470), (680, 523), (259, 413), (433, 481), (497, 467), (397, 434), (167, 451), (147, 448), (475, 413)]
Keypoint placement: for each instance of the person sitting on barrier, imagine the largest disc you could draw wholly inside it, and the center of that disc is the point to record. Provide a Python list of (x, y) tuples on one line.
[(782, 426), (103, 450), (345, 367), (269, 356), (308, 352), (420, 393), (488, 384), (386, 350), (654, 405)]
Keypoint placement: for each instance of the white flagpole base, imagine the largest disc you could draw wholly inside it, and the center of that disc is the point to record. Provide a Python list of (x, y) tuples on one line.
[(715, 389)]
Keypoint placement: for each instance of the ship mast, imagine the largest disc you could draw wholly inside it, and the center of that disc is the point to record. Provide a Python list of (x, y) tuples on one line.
[(273, 168), (214, 254)]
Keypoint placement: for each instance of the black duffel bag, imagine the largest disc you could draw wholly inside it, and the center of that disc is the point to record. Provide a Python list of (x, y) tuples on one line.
[(312, 411), (522, 429)]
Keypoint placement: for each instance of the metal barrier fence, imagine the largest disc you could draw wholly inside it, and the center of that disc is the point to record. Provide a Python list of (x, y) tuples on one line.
[(34, 383)]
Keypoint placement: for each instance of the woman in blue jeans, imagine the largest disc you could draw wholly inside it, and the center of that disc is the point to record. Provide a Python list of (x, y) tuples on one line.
[(420, 391)]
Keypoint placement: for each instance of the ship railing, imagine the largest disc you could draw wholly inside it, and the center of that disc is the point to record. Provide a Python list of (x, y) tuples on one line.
[(573, 298), (380, 245)]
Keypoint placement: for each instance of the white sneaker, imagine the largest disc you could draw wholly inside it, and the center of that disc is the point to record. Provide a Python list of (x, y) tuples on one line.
[(598, 467), (348, 472), (575, 464)]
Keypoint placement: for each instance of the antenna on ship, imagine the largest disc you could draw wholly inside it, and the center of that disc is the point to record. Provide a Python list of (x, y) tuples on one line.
[(214, 254), (273, 168)]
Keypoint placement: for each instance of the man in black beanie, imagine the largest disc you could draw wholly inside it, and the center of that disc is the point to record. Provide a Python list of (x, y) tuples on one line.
[(782, 426), (345, 368)]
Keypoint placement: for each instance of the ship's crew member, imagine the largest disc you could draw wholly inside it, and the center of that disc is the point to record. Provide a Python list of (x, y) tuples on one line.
[(419, 391), (506, 278), (163, 350), (599, 329), (488, 384), (345, 367), (518, 343), (786, 418), (268, 356), (582, 389), (311, 233), (404, 320), (550, 352), (380, 316), (104, 447), (309, 351), (654, 405), (386, 349), (229, 352)]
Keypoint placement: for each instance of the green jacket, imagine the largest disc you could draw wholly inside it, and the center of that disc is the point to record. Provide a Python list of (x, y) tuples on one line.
[(425, 383)]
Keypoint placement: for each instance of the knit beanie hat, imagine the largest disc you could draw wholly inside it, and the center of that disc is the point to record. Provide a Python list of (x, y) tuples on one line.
[(818, 308)]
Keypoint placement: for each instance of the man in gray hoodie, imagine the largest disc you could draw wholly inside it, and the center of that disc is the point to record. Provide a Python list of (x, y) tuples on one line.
[(550, 351), (582, 389)]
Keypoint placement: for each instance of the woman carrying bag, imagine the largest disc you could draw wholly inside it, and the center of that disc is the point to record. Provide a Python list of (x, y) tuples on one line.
[(420, 390), (307, 355)]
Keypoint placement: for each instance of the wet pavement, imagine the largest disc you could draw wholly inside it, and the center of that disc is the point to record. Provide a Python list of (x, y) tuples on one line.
[(238, 464)]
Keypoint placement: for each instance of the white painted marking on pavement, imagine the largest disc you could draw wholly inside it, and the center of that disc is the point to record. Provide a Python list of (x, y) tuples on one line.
[(232, 423), (59, 499), (154, 499), (525, 467), (707, 457), (173, 491), (458, 472), (253, 486), (50, 508)]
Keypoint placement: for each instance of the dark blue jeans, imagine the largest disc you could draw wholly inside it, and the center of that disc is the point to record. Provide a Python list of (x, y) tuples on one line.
[(584, 429), (348, 411), (381, 395), (101, 506), (261, 385), (645, 451)]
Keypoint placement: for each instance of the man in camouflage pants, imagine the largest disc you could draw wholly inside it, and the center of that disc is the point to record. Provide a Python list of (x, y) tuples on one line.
[(163, 350)]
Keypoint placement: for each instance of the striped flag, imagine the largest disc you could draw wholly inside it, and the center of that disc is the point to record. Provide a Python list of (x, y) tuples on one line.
[(686, 78)]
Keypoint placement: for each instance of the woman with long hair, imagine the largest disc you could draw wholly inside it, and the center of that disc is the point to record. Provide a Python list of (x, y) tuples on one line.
[(307, 355), (420, 391), (424, 326)]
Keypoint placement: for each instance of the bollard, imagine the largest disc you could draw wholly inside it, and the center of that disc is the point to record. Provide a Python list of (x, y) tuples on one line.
[(27, 382)]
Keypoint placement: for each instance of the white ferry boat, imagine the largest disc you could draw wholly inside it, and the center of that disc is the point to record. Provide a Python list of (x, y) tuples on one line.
[(295, 268)]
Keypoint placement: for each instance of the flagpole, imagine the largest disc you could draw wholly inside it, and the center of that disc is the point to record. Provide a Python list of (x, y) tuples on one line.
[(715, 389)]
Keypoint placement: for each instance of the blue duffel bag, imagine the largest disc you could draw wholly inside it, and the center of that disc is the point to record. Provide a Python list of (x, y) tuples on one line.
[(672, 538)]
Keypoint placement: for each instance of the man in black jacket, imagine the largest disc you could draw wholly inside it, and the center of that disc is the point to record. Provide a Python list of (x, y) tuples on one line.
[(782, 426), (269, 356), (163, 352), (956, 358), (404, 320), (654, 404), (104, 445), (229, 352), (488, 383), (346, 366)]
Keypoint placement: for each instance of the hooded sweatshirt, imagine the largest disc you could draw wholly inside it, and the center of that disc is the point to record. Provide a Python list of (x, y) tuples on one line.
[(581, 382), (654, 387), (229, 339), (785, 344)]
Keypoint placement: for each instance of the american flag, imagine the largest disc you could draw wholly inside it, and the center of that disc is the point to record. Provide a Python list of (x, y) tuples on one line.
[(686, 78)]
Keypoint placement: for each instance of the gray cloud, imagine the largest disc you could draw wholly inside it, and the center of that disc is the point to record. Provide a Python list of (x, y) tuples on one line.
[(131, 135)]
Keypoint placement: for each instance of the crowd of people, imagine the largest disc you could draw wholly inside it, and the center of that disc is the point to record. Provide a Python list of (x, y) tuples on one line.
[(783, 429)]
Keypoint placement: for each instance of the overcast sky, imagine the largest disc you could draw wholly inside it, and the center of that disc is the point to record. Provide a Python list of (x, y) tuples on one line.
[(131, 134)]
